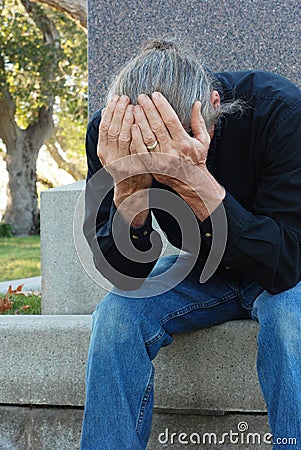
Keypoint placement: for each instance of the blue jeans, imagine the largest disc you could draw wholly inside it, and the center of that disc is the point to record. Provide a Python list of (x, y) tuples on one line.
[(127, 334)]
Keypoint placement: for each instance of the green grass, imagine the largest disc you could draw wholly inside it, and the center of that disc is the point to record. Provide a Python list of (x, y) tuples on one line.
[(22, 304), (19, 257)]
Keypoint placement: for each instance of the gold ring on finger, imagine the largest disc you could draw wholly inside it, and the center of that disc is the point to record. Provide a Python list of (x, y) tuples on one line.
[(152, 147)]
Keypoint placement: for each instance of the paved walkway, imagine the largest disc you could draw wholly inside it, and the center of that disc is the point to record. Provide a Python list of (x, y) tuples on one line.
[(30, 284)]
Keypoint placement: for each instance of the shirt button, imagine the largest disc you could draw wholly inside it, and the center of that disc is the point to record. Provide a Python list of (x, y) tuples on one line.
[(227, 268), (145, 232), (208, 235)]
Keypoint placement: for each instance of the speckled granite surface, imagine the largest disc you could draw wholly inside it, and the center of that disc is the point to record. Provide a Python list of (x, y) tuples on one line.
[(228, 34)]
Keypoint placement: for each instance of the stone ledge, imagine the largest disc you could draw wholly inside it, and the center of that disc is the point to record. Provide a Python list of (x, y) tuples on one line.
[(214, 369), (24, 428), (44, 357)]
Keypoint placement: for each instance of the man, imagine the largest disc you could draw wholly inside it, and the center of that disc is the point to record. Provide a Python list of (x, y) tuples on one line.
[(228, 146)]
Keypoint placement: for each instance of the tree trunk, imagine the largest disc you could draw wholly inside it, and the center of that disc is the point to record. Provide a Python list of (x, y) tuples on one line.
[(22, 149), (22, 146), (77, 9), (22, 207)]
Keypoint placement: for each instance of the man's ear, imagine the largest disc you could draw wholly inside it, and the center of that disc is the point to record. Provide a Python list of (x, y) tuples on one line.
[(215, 100), (216, 103)]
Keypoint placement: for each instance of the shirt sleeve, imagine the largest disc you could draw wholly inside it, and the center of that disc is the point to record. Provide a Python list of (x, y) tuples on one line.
[(100, 215), (264, 244)]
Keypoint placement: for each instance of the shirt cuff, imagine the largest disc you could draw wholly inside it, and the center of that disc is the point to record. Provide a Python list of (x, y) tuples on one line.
[(228, 222), (140, 237)]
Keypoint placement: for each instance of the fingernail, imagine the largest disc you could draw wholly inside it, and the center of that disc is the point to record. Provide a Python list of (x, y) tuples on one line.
[(156, 95), (124, 99), (142, 98)]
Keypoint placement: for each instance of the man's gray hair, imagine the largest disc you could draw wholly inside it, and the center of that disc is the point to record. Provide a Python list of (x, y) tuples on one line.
[(165, 67)]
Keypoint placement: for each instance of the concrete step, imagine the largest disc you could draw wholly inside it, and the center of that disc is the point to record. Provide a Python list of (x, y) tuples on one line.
[(27, 428), (42, 372), (43, 362)]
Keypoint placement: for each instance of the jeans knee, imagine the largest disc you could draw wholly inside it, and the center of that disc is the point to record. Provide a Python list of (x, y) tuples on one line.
[(115, 318), (279, 317)]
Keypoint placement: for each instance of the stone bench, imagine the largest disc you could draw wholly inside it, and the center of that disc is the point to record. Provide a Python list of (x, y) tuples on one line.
[(204, 382)]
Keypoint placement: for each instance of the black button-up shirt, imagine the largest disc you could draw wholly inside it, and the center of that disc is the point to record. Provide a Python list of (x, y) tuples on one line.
[(256, 156)]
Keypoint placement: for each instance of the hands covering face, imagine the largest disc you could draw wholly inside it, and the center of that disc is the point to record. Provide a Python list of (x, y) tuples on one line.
[(132, 132)]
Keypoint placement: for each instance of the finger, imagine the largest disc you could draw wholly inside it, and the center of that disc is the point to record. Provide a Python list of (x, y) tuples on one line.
[(198, 125), (169, 116), (116, 122), (140, 118), (125, 135), (106, 117), (138, 147), (154, 119)]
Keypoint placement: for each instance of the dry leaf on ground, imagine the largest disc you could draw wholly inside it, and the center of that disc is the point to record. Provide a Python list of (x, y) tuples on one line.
[(5, 304), (18, 290)]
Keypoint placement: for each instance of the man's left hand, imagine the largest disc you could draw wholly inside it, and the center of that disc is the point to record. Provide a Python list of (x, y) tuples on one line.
[(178, 160), (157, 121)]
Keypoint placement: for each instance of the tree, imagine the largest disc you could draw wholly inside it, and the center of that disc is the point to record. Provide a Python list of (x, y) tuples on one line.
[(42, 78), (77, 9)]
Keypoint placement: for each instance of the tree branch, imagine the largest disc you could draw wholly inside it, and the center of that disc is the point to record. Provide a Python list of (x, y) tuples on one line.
[(63, 163), (45, 181), (41, 130), (50, 33), (8, 126), (77, 9)]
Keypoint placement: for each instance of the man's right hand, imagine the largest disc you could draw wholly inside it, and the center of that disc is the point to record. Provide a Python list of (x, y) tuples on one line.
[(127, 170)]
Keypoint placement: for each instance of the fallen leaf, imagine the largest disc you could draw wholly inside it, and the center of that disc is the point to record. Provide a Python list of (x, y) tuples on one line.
[(5, 304), (25, 307), (29, 293), (18, 290)]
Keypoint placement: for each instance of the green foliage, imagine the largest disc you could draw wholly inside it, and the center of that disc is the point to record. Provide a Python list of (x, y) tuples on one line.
[(34, 71), (5, 230), (19, 257), (24, 54)]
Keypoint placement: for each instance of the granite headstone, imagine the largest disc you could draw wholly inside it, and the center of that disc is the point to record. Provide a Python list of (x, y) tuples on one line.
[(226, 34)]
